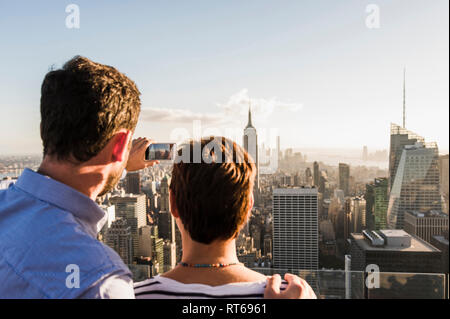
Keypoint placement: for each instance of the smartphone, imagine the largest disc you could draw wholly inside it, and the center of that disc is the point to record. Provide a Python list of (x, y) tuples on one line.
[(160, 152)]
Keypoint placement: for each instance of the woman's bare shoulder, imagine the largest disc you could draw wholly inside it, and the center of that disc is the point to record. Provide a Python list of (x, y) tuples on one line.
[(214, 277)]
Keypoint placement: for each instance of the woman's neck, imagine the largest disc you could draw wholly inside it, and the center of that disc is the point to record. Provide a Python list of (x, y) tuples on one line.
[(217, 252)]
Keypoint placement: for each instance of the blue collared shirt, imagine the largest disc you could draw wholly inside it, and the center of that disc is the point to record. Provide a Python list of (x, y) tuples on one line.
[(48, 245)]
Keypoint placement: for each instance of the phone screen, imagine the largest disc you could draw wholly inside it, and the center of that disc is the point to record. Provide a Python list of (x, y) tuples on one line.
[(160, 152)]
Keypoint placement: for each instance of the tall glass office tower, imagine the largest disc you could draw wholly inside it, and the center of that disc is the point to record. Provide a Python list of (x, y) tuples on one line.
[(399, 138), (381, 200), (344, 178), (416, 183)]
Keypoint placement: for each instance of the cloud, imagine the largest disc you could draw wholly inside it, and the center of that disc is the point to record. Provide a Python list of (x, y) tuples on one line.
[(153, 114), (234, 110), (239, 103)]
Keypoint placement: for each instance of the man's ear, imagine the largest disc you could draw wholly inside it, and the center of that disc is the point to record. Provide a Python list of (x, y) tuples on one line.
[(120, 146), (173, 207)]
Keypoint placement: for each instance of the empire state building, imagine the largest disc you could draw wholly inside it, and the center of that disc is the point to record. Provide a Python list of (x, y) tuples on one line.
[(250, 143)]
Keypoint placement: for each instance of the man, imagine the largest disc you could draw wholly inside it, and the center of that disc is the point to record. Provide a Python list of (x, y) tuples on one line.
[(49, 219)]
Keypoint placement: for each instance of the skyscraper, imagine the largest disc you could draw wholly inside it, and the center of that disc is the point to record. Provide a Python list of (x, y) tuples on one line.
[(416, 184), (166, 225), (381, 201), (133, 183), (308, 177), (393, 251), (347, 218), (267, 245), (400, 137), (377, 200), (145, 241), (297, 180), (120, 239), (295, 228), (426, 225), (164, 189), (323, 183), (441, 243), (358, 211), (250, 143), (344, 178), (158, 252), (369, 196), (110, 212), (132, 208), (444, 176), (316, 174), (169, 255), (365, 154)]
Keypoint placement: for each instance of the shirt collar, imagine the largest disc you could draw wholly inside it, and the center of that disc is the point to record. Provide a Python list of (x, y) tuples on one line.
[(65, 197)]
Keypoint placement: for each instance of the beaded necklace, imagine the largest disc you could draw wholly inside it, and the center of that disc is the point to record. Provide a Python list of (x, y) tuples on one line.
[(208, 265)]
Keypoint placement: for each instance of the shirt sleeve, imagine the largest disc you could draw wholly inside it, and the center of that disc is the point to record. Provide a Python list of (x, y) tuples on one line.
[(112, 287)]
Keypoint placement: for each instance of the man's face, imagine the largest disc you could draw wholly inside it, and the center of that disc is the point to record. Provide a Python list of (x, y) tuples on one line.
[(113, 179)]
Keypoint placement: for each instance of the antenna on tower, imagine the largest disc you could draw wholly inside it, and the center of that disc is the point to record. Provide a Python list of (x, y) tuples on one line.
[(404, 98), (249, 124)]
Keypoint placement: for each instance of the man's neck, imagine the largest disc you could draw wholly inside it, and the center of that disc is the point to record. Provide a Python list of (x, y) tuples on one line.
[(86, 179)]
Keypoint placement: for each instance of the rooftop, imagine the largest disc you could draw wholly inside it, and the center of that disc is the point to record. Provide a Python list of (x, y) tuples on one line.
[(127, 196), (394, 233), (295, 191), (417, 244), (431, 213)]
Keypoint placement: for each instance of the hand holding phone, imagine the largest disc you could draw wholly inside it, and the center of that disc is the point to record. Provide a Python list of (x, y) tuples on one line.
[(160, 152), (136, 159)]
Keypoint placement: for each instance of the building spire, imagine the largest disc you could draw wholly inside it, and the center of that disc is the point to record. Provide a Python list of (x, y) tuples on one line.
[(404, 97), (249, 113), (249, 124)]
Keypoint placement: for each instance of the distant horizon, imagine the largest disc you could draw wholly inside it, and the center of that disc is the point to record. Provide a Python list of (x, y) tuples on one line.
[(315, 71), (295, 149), (322, 155)]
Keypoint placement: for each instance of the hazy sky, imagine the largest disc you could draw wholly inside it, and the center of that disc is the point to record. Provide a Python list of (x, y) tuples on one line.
[(313, 71)]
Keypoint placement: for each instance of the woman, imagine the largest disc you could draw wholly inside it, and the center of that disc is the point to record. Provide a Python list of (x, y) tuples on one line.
[(211, 198)]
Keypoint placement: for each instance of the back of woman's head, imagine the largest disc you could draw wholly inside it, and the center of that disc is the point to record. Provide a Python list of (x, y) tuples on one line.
[(212, 182)]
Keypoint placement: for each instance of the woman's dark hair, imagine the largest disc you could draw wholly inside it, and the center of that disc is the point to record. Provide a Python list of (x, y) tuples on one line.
[(212, 193)]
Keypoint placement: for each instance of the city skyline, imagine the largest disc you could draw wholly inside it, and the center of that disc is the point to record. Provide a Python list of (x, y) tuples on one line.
[(342, 106), (299, 78)]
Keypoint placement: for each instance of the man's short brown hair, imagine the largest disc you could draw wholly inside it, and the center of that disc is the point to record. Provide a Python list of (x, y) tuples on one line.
[(82, 106), (212, 194)]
